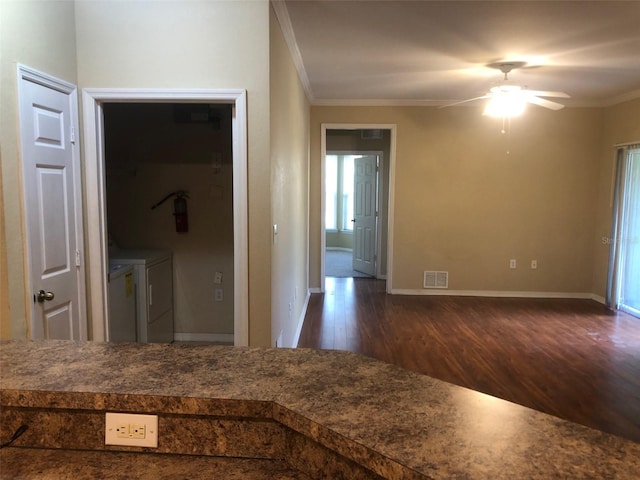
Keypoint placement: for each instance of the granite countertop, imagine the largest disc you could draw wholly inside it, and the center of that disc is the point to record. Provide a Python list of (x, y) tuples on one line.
[(345, 400), (43, 464)]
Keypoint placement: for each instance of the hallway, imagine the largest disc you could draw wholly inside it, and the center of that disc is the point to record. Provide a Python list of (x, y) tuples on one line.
[(568, 357)]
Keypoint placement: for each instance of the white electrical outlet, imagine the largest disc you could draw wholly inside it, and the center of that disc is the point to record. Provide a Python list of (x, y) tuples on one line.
[(534, 264), (217, 278), (122, 430), (512, 263), (132, 430), (138, 431), (218, 295)]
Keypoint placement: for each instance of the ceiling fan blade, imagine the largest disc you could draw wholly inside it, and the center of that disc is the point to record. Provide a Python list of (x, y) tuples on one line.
[(463, 101), (543, 93), (545, 103)]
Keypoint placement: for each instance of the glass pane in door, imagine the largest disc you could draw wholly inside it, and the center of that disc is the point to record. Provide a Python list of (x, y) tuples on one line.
[(629, 298)]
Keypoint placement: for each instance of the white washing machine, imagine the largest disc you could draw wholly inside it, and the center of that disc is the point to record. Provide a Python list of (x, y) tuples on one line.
[(122, 304), (153, 278)]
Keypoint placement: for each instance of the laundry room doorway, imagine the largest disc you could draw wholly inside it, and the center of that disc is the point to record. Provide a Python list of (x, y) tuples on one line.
[(169, 171)]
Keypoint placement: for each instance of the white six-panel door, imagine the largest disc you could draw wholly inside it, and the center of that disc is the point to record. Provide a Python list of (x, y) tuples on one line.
[(48, 122), (365, 201)]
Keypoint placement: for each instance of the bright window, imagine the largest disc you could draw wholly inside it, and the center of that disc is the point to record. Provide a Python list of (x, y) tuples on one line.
[(339, 193), (331, 182), (623, 285), (629, 237)]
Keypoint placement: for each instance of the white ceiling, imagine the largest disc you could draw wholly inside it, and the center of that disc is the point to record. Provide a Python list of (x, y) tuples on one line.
[(435, 52)]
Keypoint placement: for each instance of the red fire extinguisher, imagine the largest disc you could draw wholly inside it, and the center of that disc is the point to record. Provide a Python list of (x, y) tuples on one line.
[(180, 212), (179, 209)]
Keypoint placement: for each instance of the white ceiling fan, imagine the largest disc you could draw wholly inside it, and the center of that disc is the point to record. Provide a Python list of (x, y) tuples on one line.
[(509, 99)]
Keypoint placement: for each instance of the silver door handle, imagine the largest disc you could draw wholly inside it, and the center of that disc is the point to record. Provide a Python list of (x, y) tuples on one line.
[(42, 296)]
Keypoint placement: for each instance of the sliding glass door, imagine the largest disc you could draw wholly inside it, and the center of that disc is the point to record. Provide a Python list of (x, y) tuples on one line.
[(626, 244)]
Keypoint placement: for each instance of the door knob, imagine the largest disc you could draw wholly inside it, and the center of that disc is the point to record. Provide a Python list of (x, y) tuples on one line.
[(42, 296)]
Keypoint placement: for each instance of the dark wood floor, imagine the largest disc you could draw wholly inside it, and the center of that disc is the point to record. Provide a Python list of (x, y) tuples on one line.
[(570, 358)]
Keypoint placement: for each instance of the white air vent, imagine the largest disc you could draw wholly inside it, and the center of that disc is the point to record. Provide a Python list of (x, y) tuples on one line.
[(436, 279), (371, 134)]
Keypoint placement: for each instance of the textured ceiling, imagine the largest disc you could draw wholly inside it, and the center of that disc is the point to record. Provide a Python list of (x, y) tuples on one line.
[(435, 52)]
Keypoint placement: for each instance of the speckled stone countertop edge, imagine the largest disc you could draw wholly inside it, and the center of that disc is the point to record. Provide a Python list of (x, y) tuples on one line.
[(233, 408), (429, 426), (127, 402)]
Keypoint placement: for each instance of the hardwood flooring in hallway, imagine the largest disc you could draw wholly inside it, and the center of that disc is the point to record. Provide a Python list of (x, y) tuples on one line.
[(574, 359)]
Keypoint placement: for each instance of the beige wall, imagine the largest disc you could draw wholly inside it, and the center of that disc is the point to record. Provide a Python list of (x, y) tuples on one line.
[(41, 35), (343, 240), (468, 198), (149, 155), (174, 44), (289, 189), (621, 125)]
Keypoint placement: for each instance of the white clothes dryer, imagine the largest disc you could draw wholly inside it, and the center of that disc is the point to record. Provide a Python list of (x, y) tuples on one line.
[(122, 304), (153, 275)]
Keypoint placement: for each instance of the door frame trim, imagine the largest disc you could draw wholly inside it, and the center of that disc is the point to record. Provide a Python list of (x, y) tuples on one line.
[(392, 169), (94, 176), (30, 74)]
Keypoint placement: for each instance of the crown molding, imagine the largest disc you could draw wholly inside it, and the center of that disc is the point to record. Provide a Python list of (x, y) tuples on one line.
[(389, 102), (282, 14), (372, 102)]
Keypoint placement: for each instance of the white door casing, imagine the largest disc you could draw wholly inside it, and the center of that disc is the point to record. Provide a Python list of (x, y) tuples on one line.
[(94, 177), (48, 112), (365, 216)]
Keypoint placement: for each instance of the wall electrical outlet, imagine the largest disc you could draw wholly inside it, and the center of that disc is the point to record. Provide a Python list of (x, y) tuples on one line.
[(218, 295), (512, 263), (122, 430), (138, 431), (131, 430), (534, 264), (217, 278)]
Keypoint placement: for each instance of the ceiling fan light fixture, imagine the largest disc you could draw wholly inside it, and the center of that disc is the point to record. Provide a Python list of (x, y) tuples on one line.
[(505, 103)]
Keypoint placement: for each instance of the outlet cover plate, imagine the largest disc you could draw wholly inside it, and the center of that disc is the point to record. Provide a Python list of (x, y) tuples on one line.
[(143, 430)]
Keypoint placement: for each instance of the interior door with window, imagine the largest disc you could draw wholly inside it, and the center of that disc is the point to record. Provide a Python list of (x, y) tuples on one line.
[(365, 215), (50, 157)]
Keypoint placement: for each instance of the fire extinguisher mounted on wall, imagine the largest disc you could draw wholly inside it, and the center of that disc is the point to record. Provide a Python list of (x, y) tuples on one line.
[(179, 209)]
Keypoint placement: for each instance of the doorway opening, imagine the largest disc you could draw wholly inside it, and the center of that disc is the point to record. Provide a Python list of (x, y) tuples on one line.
[(351, 213), (356, 199), (169, 192), (100, 102)]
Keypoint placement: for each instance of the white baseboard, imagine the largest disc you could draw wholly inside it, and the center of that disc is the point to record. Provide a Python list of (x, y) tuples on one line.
[(340, 249), (488, 293), (296, 337), (204, 337), (491, 293)]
